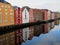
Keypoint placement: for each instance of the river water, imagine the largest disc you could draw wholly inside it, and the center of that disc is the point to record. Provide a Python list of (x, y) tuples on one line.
[(50, 38)]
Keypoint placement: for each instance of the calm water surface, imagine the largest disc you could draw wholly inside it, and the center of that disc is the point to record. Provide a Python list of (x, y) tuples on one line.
[(50, 38)]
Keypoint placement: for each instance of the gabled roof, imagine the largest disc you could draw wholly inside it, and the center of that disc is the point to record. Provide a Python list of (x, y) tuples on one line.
[(26, 8)]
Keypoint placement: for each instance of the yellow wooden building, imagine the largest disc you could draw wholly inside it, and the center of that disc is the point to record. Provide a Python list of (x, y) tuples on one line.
[(6, 14)]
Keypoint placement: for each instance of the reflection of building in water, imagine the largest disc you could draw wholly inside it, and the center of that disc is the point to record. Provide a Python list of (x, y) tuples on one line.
[(25, 34), (31, 32), (7, 39), (38, 30)]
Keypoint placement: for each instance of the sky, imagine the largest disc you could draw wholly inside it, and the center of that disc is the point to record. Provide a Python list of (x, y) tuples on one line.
[(53, 5)]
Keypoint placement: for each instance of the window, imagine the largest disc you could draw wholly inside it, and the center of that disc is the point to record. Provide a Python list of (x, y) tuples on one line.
[(0, 21), (11, 13), (0, 9), (18, 20), (43, 15), (5, 9), (6, 16), (25, 35), (6, 13), (11, 21), (6, 38), (25, 14), (8, 6), (4, 21), (16, 12), (5, 6), (11, 17), (0, 12), (17, 32), (11, 10), (18, 16), (2, 5)]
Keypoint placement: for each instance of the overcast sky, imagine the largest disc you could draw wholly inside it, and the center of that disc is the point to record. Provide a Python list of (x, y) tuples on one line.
[(53, 5)]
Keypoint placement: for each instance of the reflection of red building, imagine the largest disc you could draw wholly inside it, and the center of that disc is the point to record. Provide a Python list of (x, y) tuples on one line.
[(31, 19), (18, 20)]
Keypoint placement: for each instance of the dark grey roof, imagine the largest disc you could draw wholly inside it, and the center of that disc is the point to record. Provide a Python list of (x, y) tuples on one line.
[(27, 7), (2, 0)]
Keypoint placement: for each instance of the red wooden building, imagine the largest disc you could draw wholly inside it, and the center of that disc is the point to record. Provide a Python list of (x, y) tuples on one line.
[(18, 20)]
